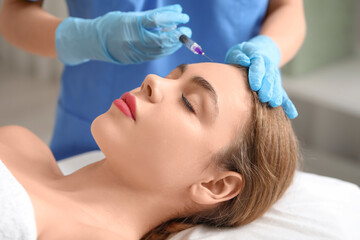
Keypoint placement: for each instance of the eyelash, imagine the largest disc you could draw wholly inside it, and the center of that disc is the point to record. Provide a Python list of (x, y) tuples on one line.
[(187, 104)]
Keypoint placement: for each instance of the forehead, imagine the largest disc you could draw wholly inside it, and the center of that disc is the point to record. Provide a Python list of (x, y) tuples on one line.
[(229, 82), (231, 86), (215, 72)]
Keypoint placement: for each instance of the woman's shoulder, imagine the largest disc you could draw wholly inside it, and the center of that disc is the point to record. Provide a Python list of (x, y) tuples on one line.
[(22, 140), (20, 148)]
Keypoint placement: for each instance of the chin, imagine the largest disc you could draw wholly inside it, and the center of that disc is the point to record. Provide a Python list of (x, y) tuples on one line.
[(108, 133), (96, 129)]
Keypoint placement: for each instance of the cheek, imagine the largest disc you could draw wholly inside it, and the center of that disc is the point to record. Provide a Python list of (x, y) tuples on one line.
[(170, 151), (161, 139)]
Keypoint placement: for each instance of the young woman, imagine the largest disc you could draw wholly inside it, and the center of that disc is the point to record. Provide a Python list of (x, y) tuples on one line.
[(195, 147)]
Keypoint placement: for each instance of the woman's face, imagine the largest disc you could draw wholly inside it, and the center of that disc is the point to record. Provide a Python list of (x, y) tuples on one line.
[(182, 120)]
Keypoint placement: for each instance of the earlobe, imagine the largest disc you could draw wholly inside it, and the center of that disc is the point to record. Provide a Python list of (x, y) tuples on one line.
[(222, 188)]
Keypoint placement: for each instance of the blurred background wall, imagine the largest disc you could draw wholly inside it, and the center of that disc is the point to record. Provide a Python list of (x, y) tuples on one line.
[(323, 81)]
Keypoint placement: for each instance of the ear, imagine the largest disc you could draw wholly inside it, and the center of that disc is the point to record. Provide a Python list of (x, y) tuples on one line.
[(218, 189)]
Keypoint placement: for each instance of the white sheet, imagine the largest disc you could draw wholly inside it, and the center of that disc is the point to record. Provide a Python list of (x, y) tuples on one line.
[(314, 207), (17, 219), (70, 165)]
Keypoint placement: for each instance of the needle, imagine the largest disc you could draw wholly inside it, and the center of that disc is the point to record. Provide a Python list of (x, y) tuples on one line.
[(207, 57)]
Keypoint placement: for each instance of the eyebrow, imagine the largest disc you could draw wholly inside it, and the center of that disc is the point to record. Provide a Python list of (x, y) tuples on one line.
[(182, 67), (203, 83)]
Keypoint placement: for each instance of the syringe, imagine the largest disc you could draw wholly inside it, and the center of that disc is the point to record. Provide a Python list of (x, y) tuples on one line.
[(192, 46)]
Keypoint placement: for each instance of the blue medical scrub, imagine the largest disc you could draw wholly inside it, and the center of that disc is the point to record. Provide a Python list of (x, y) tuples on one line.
[(89, 89)]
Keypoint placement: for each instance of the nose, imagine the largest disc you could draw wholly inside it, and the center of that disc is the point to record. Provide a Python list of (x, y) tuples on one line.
[(152, 88)]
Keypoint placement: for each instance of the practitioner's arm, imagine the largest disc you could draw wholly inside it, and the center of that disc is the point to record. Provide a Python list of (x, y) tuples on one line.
[(285, 25), (117, 37), (27, 26)]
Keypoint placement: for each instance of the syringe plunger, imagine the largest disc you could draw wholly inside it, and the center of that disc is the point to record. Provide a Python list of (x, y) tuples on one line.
[(191, 45)]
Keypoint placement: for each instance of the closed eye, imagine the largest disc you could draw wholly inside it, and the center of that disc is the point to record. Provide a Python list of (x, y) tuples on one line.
[(187, 104)]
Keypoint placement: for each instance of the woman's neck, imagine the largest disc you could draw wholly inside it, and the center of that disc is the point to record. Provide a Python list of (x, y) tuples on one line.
[(109, 203)]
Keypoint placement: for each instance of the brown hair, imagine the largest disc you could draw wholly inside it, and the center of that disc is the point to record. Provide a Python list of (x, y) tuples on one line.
[(266, 154)]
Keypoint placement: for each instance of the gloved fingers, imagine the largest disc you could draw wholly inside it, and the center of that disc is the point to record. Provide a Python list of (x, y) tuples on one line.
[(168, 39), (288, 106), (164, 19), (173, 8), (167, 51), (235, 55), (161, 43), (267, 47), (184, 30), (161, 52), (277, 97), (155, 53), (256, 73), (266, 91), (171, 38), (250, 49)]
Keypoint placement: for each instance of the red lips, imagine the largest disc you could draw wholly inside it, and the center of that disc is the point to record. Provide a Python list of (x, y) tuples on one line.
[(127, 104)]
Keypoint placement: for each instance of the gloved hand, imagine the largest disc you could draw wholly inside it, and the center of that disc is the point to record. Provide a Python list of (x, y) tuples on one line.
[(121, 37), (262, 56)]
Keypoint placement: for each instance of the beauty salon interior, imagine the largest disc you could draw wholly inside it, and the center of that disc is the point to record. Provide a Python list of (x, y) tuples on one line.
[(323, 81)]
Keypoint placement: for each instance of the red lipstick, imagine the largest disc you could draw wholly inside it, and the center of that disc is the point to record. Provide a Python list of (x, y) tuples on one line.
[(127, 104)]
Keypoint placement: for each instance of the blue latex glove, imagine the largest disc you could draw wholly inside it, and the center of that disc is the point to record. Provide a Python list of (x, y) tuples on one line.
[(262, 56), (121, 37)]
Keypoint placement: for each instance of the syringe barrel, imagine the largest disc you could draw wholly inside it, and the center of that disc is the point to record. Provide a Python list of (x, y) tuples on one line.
[(191, 45)]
